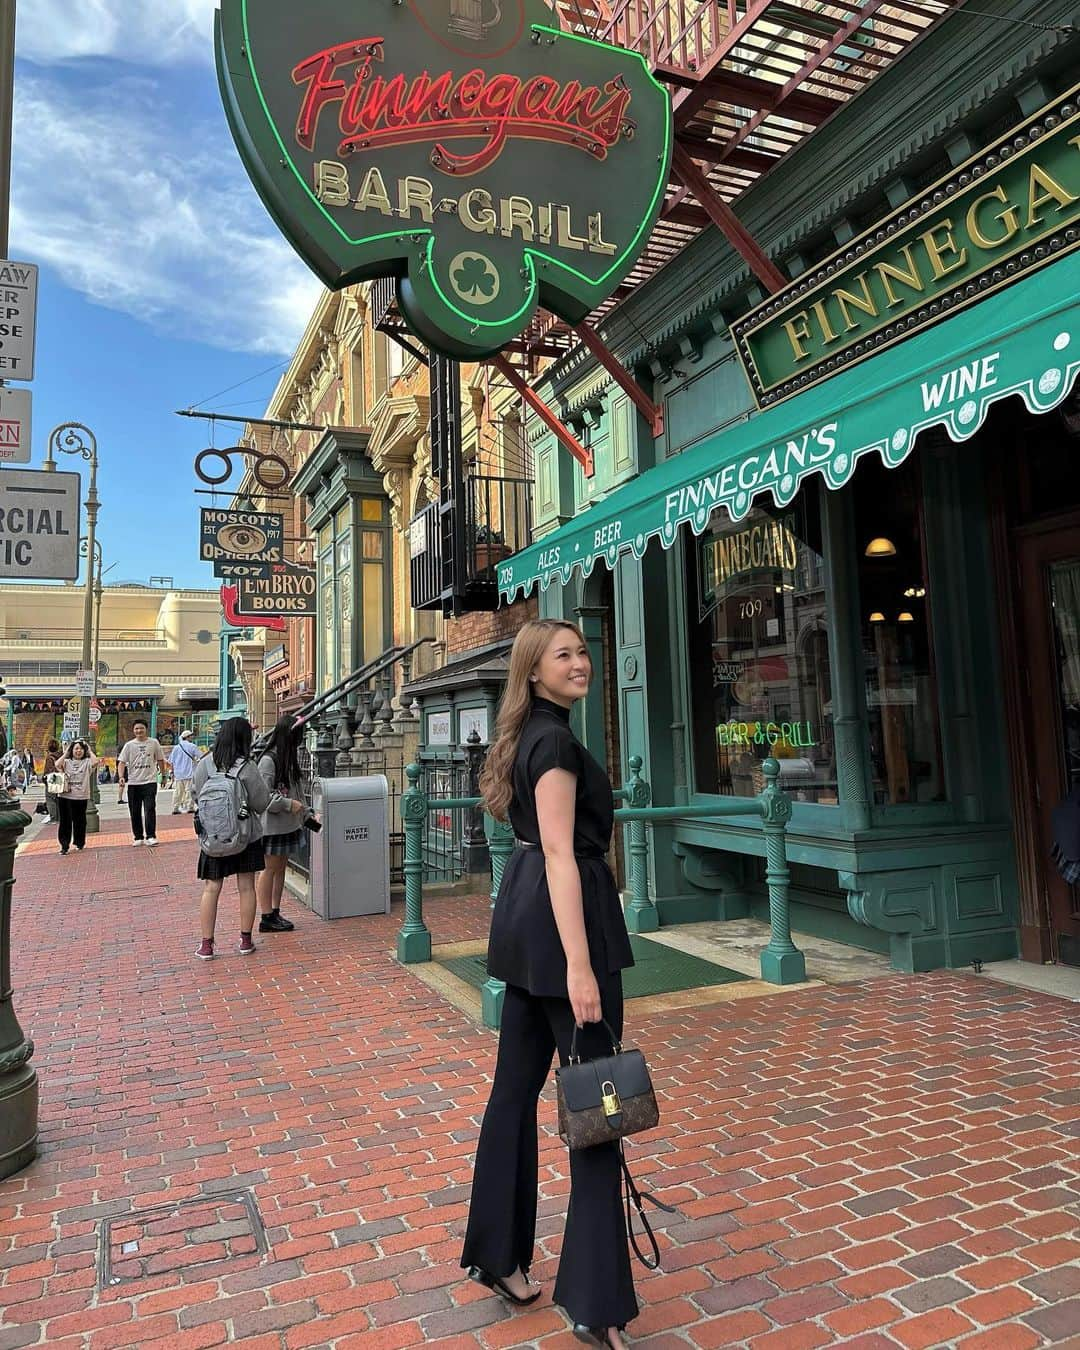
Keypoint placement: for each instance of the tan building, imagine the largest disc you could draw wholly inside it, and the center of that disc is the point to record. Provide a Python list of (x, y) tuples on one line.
[(158, 654)]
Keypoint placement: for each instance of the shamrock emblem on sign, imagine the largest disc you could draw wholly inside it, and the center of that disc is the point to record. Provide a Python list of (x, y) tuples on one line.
[(474, 278)]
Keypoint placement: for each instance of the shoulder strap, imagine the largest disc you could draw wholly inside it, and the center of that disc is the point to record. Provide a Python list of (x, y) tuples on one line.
[(638, 1198)]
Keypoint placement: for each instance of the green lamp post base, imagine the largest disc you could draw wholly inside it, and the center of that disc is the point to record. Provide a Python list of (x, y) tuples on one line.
[(18, 1120), (413, 948), (644, 920), (491, 1003), (783, 967)]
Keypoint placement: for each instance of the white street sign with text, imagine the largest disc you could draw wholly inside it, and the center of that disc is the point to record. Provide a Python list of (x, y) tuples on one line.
[(39, 525), (14, 426), (18, 319)]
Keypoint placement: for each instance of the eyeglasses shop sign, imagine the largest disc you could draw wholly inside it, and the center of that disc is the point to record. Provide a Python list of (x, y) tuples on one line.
[(241, 537), (39, 525)]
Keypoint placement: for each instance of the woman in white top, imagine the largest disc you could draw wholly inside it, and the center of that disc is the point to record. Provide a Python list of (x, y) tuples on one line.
[(77, 764)]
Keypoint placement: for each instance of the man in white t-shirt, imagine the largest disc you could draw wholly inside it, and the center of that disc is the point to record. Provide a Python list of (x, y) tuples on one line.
[(138, 766)]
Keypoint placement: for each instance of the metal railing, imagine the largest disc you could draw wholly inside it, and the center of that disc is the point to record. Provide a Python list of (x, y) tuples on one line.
[(781, 961)]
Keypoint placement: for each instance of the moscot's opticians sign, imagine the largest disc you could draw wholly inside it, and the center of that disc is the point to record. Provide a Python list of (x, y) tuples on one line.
[(1011, 209), (489, 161)]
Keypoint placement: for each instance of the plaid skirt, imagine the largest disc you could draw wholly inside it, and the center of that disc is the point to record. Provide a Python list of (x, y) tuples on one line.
[(284, 845)]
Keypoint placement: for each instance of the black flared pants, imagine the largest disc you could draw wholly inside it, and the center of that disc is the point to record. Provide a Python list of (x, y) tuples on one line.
[(594, 1283)]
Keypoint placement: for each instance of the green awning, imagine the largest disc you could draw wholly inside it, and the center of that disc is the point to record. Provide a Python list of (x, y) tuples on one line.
[(1022, 340)]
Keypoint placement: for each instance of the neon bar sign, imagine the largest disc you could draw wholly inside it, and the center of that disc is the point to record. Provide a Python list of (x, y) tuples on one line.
[(375, 134)]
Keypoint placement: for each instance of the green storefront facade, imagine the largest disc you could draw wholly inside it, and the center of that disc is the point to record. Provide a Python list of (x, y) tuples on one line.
[(856, 546)]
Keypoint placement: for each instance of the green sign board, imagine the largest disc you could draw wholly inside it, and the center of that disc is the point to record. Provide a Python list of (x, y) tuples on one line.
[(487, 160), (1011, 209)]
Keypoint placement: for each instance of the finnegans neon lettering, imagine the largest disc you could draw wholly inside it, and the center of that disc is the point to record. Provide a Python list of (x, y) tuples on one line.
[(375, 112)]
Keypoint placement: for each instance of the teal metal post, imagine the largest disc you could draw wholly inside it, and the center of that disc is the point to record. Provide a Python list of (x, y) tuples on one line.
[(641, 913), (500, 846), (10, 723), (781, 961), (18, 1079), (153, 717), (414, 940)]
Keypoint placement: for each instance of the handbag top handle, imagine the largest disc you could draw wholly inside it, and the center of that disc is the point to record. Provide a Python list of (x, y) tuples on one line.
[(616, 1044)]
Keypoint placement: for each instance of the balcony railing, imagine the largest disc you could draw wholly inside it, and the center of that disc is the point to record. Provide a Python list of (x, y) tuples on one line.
[(498, 523)]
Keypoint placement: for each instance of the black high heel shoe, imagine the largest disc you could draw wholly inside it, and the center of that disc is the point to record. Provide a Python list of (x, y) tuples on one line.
[(493, 1282), (593, 1335)]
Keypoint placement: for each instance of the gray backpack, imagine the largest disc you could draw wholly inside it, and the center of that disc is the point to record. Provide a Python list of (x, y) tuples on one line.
[(224, 817)]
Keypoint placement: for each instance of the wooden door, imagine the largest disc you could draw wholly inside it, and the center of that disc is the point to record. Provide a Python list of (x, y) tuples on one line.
[(1049, 623)]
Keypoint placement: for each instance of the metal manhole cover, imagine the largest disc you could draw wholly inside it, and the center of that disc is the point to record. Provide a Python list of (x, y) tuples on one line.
[(193, 1233), (130, 892)]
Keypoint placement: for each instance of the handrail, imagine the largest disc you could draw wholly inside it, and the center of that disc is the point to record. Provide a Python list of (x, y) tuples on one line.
[(781, 961), (353, 682)]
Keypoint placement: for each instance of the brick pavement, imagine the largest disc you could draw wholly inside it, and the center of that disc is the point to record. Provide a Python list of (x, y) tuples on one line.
[(883, 1164)]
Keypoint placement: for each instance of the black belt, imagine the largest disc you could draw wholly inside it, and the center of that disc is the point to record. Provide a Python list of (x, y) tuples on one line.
[(594, 854)]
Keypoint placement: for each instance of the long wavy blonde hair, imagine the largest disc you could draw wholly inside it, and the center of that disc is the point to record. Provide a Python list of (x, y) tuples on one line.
[(516, 705)]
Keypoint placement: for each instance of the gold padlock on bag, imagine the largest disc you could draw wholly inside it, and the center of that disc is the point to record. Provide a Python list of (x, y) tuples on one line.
[(609, 1100)]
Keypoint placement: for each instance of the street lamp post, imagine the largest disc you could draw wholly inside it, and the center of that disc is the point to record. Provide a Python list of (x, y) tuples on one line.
[(72, 438), (93, 822)]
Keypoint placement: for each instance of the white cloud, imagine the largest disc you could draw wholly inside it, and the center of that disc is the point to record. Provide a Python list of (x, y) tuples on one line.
[(145, 213), (147, 32)]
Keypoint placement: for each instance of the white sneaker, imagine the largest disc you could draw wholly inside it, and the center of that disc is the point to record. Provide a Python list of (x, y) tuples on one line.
[(137, 843), (151, 843)]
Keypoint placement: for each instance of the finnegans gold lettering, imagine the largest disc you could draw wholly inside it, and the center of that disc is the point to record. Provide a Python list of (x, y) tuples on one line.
[(768, 545), (413, 199), (992, 222)]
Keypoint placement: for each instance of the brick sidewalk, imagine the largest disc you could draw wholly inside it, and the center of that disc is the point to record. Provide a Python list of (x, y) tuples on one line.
[(883, 1164)]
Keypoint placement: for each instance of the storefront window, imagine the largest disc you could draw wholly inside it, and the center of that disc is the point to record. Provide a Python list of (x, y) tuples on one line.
[(898, 656), (760, 669)]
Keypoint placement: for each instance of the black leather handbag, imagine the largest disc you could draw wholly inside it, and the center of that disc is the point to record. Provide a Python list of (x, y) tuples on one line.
[(601, 1101)]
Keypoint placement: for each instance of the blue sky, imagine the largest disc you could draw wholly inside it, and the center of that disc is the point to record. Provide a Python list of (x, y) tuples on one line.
[(163, 282)]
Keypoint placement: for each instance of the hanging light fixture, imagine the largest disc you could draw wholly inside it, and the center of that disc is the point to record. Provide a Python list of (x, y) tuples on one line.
[(905, 616), (881, 547), (877, 617)]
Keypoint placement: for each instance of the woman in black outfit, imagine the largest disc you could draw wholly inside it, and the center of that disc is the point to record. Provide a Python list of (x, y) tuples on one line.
[(559, 941)]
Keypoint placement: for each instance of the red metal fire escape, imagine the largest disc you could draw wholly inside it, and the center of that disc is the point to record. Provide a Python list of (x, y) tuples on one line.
[(750, 80)]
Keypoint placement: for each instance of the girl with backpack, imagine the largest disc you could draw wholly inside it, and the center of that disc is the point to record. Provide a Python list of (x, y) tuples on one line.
[(283, 833), (230, 796)]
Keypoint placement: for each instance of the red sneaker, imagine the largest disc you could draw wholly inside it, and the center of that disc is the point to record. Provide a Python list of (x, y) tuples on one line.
[(245, 946), (206, 950)]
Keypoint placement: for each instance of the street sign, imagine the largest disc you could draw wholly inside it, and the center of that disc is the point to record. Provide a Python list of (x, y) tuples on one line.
[(289, 590), (241, 536), (14, 425), (71, 726), (95, 714), (85, 684), (18, 319), (39, 525)]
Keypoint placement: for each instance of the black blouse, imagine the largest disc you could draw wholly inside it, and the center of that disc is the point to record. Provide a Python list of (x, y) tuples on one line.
[(524, 948)]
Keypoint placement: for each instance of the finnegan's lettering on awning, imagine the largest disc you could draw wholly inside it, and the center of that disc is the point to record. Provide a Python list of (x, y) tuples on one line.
[(485, 159), (1011, 209)]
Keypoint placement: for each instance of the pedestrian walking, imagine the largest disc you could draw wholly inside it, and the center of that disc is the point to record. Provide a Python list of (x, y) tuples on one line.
[(282, 822), (185, 755), (228, 782), (77, 764), (52, 750), (559, 941), (138, 765)]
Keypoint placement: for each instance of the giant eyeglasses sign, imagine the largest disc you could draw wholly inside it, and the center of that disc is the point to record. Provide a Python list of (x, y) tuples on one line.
[(242, 543), (488, 160)]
